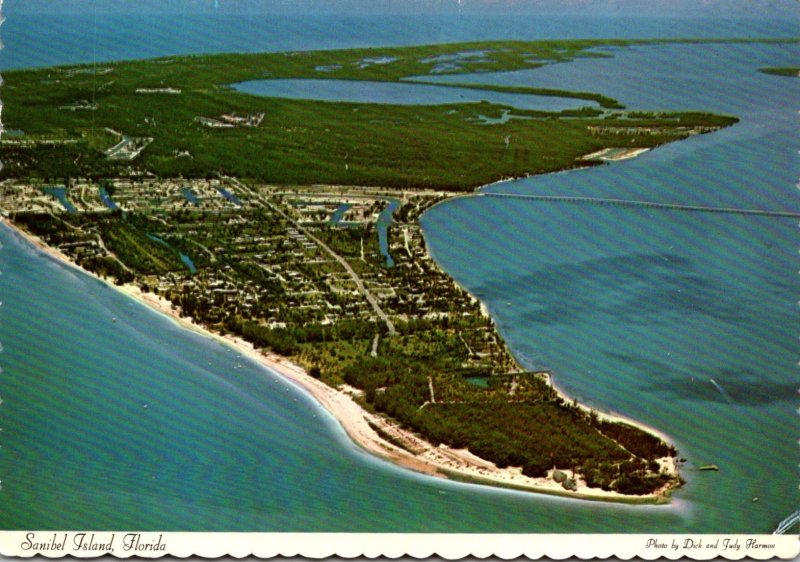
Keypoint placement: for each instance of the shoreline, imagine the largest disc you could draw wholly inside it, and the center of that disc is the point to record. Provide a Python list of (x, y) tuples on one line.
[(486, 312), (365, 428), (615, 154)]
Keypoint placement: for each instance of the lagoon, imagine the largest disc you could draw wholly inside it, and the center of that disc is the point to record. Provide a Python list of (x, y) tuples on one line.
[(633, 311), (399, 93), (652, 312)]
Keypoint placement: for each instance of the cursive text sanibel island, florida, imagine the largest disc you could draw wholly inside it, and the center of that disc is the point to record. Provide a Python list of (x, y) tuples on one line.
[(289, 225)]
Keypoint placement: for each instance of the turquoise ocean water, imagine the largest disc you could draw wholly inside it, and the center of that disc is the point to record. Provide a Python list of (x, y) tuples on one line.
[(114, 417)]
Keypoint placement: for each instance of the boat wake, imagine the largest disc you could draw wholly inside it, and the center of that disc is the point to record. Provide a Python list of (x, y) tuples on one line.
[(788, 523), (722, 391)]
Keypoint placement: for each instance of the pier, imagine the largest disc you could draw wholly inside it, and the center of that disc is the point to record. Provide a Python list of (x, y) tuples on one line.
[(645, 204)]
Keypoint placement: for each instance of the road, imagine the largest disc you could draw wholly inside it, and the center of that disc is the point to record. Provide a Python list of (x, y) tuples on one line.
[(353, 275)]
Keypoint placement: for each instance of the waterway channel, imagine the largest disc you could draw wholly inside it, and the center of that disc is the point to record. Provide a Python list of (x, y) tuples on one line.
[(633, 309), (399, 93)]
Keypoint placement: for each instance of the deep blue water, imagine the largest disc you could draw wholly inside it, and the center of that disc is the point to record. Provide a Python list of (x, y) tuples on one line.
[(635, 311)]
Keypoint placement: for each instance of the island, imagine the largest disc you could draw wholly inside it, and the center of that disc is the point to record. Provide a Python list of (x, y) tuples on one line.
[(290, 228), (791, 71)]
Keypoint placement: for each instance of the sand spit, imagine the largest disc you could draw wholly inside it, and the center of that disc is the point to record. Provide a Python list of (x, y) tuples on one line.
[(615, 154)]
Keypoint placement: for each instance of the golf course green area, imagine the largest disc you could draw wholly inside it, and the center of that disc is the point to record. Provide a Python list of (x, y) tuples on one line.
[(181, 116)]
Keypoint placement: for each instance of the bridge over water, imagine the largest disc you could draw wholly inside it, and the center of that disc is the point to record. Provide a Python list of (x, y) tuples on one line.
[(646, 204)]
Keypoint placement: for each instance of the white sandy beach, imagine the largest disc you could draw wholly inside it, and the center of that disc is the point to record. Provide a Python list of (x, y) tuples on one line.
[(416, 453), (615, 154)]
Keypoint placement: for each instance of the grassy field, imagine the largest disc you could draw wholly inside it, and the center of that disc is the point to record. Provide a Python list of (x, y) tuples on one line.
[(305, 142)]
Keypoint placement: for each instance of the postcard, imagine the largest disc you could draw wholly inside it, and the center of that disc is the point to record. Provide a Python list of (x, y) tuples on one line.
[(380, 278)]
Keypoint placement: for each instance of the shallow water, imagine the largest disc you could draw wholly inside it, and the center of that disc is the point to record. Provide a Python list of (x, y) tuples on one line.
[(29, 35), (682, 320), (129, 421), (338, 214), (634, 310), (398, 93)]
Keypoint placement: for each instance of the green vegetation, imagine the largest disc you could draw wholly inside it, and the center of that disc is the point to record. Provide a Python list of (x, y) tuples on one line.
[(72, 115), (793, 71), (262, 276), (603, 101), (272, 269)]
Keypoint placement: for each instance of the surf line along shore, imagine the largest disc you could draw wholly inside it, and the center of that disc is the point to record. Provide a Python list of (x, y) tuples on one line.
[(374, 433)]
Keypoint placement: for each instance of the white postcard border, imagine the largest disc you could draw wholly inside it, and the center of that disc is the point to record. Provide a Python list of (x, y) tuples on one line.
[(125, 544)]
